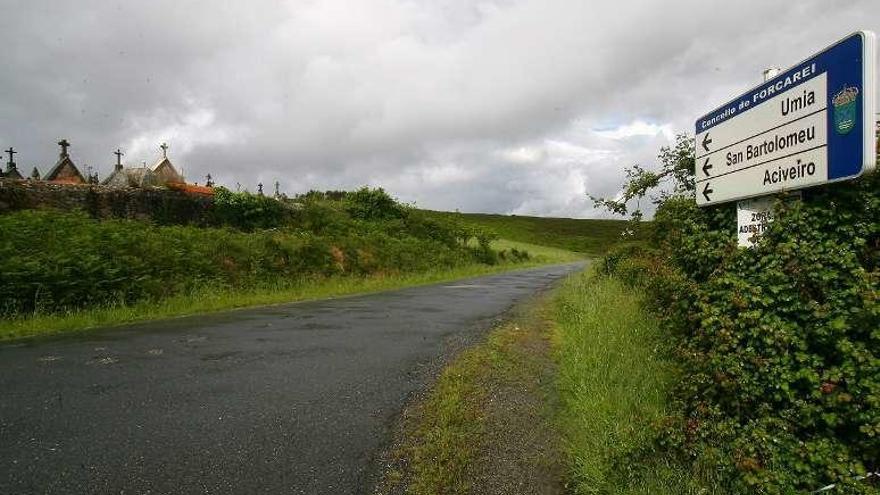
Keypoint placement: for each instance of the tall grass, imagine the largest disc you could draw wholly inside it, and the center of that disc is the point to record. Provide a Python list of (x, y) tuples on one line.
[(487, 408), (55, 262), (614, 381)]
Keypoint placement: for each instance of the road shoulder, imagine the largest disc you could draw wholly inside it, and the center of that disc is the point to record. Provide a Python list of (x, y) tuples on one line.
[(487, 424), (211, 301)]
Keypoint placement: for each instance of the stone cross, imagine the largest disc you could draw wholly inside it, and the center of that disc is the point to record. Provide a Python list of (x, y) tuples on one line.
[(260, 188), (11, 151), (164, 147), (64, 145), (118, 154)]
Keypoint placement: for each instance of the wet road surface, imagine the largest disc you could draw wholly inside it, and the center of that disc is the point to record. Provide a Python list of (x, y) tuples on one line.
[(295, 398)]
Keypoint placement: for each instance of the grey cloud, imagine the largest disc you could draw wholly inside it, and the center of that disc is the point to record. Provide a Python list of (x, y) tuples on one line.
[(482, 106)]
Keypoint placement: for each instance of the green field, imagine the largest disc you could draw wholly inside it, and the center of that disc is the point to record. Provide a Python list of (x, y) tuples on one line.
[(538, 253), (590, 237), (88, 273)]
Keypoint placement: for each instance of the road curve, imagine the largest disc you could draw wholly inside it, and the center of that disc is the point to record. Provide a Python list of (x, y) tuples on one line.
[(295, 398)]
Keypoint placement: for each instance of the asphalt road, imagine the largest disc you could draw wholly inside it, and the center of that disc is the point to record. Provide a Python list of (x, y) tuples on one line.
[(296, 398)]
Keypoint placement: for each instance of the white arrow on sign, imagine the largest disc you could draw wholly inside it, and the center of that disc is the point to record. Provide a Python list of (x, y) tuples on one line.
[(802, 169), (782, 113)]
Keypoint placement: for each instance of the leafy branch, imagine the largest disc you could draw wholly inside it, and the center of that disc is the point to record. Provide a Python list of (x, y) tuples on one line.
[(676, 168)]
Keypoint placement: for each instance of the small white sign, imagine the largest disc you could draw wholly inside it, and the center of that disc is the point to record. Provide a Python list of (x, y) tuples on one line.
[(754, 215), (752, 218)]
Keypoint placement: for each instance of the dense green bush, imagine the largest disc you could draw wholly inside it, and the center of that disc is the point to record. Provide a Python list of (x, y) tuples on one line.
[(314, 195), (53, 261), (373, 204), (247, 211), (780, 344), (322, 218)]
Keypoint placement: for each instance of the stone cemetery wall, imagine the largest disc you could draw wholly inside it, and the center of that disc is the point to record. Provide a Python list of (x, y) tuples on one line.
[(158, 204)]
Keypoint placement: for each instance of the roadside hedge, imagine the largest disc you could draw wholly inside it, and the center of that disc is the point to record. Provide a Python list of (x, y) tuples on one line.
[(246, 211), (53, 261), (780, 344)]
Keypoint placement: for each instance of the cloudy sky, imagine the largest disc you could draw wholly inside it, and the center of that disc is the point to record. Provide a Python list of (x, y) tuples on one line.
[(509, 106)]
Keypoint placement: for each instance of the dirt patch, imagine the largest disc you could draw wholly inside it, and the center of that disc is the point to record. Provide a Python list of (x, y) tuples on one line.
[(522, 452), (487, 425)]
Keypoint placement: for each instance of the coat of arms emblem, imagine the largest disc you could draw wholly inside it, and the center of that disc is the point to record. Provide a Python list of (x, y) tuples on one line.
[(845, 109)]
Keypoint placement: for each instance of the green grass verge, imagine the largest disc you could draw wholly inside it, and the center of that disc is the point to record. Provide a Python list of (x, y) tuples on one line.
[(450, 428), (614, 380), (211, 299), (485, 426)]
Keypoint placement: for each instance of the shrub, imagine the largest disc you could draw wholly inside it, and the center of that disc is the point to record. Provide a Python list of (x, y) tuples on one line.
[(514, 254), (321, 218), (52, 261), (246, 211), (784, 343), (779, 343), (373, 204)]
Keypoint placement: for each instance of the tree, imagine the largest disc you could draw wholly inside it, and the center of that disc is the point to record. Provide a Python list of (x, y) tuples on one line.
[(676, 170)]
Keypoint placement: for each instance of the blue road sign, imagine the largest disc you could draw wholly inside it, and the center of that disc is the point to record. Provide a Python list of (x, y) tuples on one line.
[(810, 125)]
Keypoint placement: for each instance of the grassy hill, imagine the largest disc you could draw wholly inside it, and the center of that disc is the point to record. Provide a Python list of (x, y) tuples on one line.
[(88, 271), (590, 237), (57, 263)]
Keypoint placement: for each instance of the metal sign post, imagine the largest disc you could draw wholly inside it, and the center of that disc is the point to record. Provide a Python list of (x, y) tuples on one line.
[(754, 215)]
